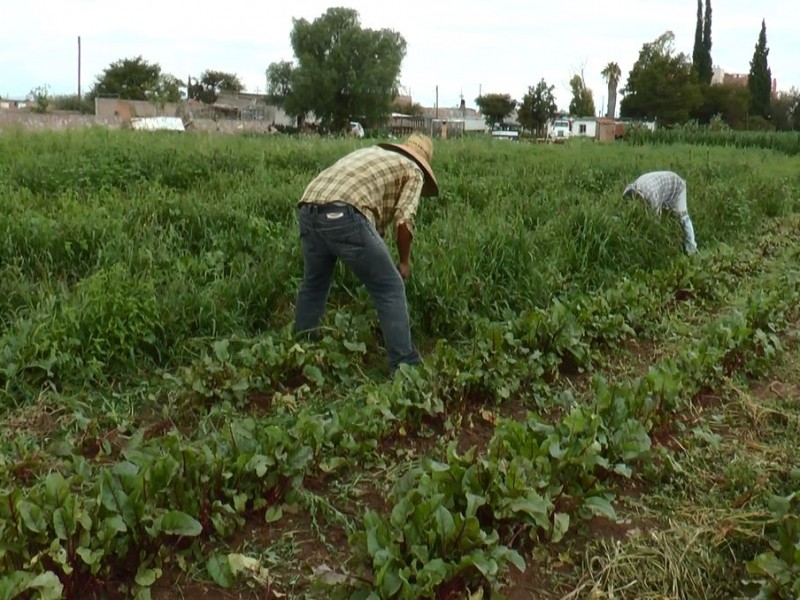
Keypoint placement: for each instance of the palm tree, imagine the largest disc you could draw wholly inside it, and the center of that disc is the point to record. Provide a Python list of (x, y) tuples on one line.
[(612, 74)]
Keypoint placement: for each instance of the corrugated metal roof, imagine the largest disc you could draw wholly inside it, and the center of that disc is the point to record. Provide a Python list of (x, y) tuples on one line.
[(158, 123)]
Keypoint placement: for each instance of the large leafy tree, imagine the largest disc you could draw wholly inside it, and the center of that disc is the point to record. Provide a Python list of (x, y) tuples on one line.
[(342, 71), (495, 108), (208, 87), (280, 76), (538, 106), (128, 78), (279, 81), (785, 110), (582, 103), (727, 101), (661, 84), (612, 73), (759, 81)]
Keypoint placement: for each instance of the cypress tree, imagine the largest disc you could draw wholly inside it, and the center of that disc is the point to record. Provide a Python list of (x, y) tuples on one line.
[(698, 51), (701, 54), (708, 65), (759, 81)]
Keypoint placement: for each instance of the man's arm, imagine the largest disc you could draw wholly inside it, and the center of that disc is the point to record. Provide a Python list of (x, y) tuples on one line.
[(404, 216), (404, 237)]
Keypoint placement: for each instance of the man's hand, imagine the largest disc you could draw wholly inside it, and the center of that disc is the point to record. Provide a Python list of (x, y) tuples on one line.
[(405, 270)]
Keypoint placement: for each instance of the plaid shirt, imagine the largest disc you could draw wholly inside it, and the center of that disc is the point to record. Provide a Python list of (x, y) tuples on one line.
[(384, 186), (660, 188)]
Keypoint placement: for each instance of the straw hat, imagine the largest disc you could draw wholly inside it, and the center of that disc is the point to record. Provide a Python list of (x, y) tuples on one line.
[(418, 148)]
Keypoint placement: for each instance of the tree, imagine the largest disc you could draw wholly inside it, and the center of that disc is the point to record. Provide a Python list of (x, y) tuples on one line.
[(661, 85), (701, 54), (407, 108), (730, 102), (538, 107), (759, 81), (279, 90), (582, 104), (495, 108), (167, 89), (785, 110), (698, 51), (41, 97), (129, 78), (707, 72), (343, 71), (279, 81), (612, 74), (211, 83)]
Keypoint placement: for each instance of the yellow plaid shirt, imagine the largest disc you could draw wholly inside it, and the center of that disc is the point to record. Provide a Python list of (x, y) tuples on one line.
[(384, 186)]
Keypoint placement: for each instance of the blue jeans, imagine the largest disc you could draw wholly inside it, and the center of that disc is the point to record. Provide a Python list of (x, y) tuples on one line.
[(338, 231)]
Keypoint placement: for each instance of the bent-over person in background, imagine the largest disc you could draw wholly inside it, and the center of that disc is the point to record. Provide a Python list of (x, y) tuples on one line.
[(665, 190)]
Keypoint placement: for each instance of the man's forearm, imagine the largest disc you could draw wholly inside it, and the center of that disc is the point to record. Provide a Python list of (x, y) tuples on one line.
[(404, 243)]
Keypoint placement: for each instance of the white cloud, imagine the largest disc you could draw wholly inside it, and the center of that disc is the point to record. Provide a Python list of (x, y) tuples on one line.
[(501, 46)]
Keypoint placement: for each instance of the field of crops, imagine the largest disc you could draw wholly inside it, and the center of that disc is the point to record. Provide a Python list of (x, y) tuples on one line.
[(598, 415), (785, 142)]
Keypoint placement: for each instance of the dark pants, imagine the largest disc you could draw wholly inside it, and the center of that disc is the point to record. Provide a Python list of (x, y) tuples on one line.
[(338, 230)]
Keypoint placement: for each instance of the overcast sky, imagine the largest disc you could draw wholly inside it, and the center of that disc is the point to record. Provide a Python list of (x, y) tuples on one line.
[(495, 46)]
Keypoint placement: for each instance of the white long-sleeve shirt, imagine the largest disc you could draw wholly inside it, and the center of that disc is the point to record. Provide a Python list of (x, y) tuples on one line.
[(665, 190), (661, 189)]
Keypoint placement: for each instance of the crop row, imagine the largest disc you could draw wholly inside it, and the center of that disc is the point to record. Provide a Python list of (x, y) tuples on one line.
[(457, 524), (89, 519), (504, 357), (116, 321), (777, 569), (784, 142)]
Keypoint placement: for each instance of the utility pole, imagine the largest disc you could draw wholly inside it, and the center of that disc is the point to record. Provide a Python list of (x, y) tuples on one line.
[(437, 101), (79, 67)]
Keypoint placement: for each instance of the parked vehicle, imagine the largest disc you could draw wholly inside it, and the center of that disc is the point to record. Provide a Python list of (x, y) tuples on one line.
[(560, 128), (356, 129)]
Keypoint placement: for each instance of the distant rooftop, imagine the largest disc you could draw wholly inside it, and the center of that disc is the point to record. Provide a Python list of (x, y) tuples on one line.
[(448, 112)]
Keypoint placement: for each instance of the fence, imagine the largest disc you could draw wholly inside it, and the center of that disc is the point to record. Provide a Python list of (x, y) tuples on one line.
[(402, 125)]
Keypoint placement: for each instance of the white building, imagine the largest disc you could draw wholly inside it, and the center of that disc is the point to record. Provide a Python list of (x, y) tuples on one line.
[(564, 127), (9, 104), (475, 124), (472, 119), (584, 127)]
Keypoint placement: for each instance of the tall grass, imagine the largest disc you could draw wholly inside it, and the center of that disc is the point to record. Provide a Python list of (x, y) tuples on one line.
[(118, 249)]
